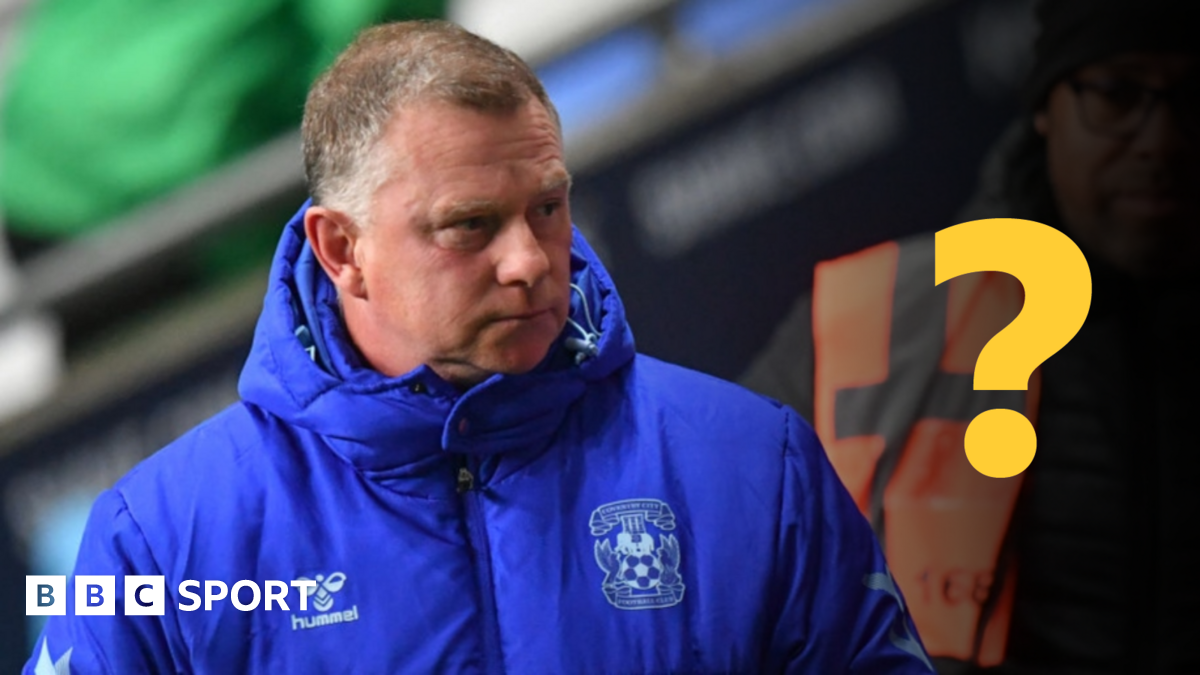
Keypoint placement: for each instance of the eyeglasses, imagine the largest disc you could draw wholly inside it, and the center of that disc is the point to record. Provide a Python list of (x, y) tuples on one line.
[(1119, 108)]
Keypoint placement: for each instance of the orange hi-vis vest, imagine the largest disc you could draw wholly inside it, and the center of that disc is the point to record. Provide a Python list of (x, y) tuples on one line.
[(893, 395)]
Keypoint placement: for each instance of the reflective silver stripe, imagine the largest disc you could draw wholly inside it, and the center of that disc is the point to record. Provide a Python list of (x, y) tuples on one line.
[(915, 388)]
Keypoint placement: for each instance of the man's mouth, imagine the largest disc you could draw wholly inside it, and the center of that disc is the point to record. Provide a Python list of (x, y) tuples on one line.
[(1155, 203), (526, 316)]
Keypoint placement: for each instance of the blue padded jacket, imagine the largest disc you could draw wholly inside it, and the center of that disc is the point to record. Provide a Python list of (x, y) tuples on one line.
[(604, 513)]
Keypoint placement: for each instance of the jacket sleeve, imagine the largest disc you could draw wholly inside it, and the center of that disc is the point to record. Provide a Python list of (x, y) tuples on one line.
[(842, 612), (112, 544)]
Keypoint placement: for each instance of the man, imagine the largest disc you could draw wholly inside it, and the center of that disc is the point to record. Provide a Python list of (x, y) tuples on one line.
[(446, 434), (1078, 564)]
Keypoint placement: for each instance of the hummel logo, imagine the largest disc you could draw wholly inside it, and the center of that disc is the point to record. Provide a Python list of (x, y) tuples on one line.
[(322, 593), (324, 590)]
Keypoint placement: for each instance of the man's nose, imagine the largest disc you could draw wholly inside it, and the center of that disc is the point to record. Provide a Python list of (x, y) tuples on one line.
[(521, 259), (1162, 133)]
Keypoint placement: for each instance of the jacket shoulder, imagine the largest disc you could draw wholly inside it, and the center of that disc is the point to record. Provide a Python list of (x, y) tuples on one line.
[(208, 469), (721, 411), (675, 383), (207, 447)]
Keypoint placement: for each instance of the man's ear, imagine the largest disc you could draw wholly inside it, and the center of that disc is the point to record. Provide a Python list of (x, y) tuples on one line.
[(1041, 122), (335, 239)]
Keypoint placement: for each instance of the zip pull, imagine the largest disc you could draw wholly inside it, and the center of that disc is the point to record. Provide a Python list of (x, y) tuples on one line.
[(466, 480)]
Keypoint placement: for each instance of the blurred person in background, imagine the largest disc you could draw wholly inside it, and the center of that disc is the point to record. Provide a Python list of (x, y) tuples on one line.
[(1083, 563), (445, 427)]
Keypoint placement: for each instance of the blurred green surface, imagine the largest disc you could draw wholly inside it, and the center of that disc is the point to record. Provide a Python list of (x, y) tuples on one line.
[(110, 103)]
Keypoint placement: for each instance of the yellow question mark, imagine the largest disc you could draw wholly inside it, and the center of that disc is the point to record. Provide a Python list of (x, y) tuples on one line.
[(1058, 293)]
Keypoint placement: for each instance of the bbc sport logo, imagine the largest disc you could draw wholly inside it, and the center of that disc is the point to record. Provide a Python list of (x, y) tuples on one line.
[(95, 595)]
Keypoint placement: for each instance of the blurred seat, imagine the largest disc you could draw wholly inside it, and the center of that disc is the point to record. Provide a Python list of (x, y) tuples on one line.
[(30, 346), (599, 79), (721, 27)]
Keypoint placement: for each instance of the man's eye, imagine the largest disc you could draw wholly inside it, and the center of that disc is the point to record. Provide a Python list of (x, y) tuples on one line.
[(548, 209), (465, 234), (1120, 94)]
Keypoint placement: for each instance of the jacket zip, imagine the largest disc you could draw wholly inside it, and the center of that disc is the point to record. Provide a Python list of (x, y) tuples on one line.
[(477, 535)]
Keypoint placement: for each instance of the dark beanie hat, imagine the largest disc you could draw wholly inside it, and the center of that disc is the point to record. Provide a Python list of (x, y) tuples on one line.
[(1074, 33)]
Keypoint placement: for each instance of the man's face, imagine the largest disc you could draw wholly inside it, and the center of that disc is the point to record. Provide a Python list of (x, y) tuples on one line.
[(466, 259), (1128, 195)]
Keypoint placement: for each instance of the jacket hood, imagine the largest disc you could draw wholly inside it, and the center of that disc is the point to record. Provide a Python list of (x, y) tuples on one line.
[(304, 369)]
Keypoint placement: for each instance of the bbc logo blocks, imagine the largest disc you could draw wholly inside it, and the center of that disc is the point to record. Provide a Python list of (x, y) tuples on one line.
[(45, 596), (95, 595), (145, 595)]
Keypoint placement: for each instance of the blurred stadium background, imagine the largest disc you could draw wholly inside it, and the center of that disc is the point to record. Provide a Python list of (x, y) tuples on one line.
[(149, 157)]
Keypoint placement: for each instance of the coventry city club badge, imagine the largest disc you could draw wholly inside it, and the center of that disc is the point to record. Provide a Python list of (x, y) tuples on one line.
[(640, 572)]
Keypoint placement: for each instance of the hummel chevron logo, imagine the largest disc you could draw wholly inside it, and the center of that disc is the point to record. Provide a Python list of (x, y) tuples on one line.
[(324, 590), (322, 600)]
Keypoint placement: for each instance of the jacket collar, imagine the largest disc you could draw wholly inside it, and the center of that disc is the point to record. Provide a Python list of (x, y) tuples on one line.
[(304, 369)]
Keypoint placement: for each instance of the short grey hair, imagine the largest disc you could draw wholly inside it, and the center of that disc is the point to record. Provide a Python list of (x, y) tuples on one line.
[(386, 68)]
